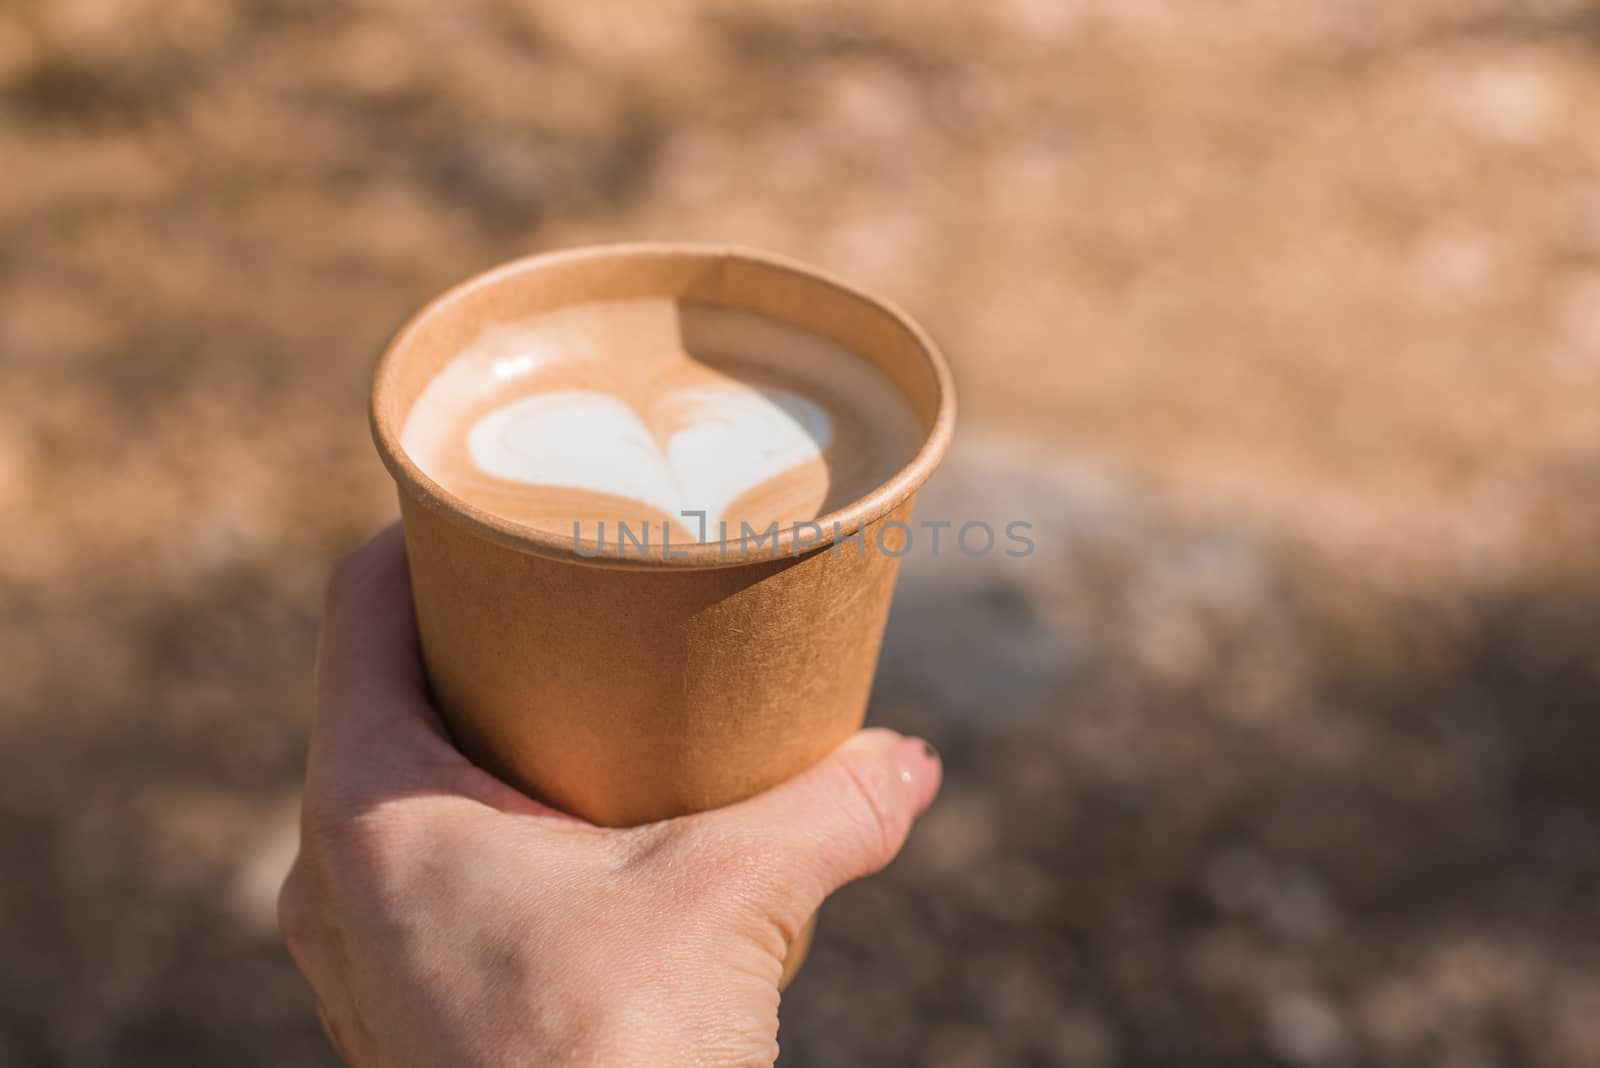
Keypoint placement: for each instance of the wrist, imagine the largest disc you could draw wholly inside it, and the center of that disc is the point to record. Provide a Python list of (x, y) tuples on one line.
[(655, 1028)]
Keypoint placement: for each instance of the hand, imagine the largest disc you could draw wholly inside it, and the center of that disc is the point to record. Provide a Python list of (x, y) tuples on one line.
[(444, 918)]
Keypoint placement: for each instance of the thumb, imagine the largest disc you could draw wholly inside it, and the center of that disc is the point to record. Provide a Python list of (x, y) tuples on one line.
[(843, 819)]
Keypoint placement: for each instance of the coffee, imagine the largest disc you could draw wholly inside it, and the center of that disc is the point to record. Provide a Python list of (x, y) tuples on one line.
[(647, 412)]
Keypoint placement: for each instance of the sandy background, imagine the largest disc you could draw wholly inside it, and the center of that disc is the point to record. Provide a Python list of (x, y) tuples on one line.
[(1280, 323)]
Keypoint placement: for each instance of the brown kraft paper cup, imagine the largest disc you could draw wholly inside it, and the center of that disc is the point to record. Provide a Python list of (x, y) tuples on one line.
[(626, 689)]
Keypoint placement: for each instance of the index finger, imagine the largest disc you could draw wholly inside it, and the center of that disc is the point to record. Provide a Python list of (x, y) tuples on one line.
[(372, 699)]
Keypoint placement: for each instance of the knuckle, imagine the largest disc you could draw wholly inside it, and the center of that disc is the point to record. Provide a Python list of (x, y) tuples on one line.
[(325, 810), (372, 849), (295, 922), (331, 801), (364, 861), (875, 824)]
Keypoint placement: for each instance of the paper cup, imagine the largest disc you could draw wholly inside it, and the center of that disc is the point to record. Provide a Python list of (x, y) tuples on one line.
[(627, 688)]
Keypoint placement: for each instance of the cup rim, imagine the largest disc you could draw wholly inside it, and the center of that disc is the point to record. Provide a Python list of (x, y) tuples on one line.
[(835, 525)]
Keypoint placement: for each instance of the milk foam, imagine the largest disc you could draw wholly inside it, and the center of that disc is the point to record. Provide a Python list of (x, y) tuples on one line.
[(611, 411), (734, 438)]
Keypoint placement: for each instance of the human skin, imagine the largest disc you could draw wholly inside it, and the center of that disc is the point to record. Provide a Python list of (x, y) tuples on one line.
[(442, 917)]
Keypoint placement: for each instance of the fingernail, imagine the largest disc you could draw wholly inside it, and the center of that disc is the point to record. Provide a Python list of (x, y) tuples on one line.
[(920, 770), (915, 756)]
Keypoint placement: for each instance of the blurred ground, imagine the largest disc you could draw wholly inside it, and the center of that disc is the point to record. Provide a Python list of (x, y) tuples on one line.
[(1282, 324)]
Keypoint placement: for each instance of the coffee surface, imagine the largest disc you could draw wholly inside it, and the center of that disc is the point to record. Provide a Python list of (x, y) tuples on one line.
[(641, 411)]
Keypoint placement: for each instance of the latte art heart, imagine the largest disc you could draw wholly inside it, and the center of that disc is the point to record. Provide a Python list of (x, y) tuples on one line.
[(728, 440), (640, 411)]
